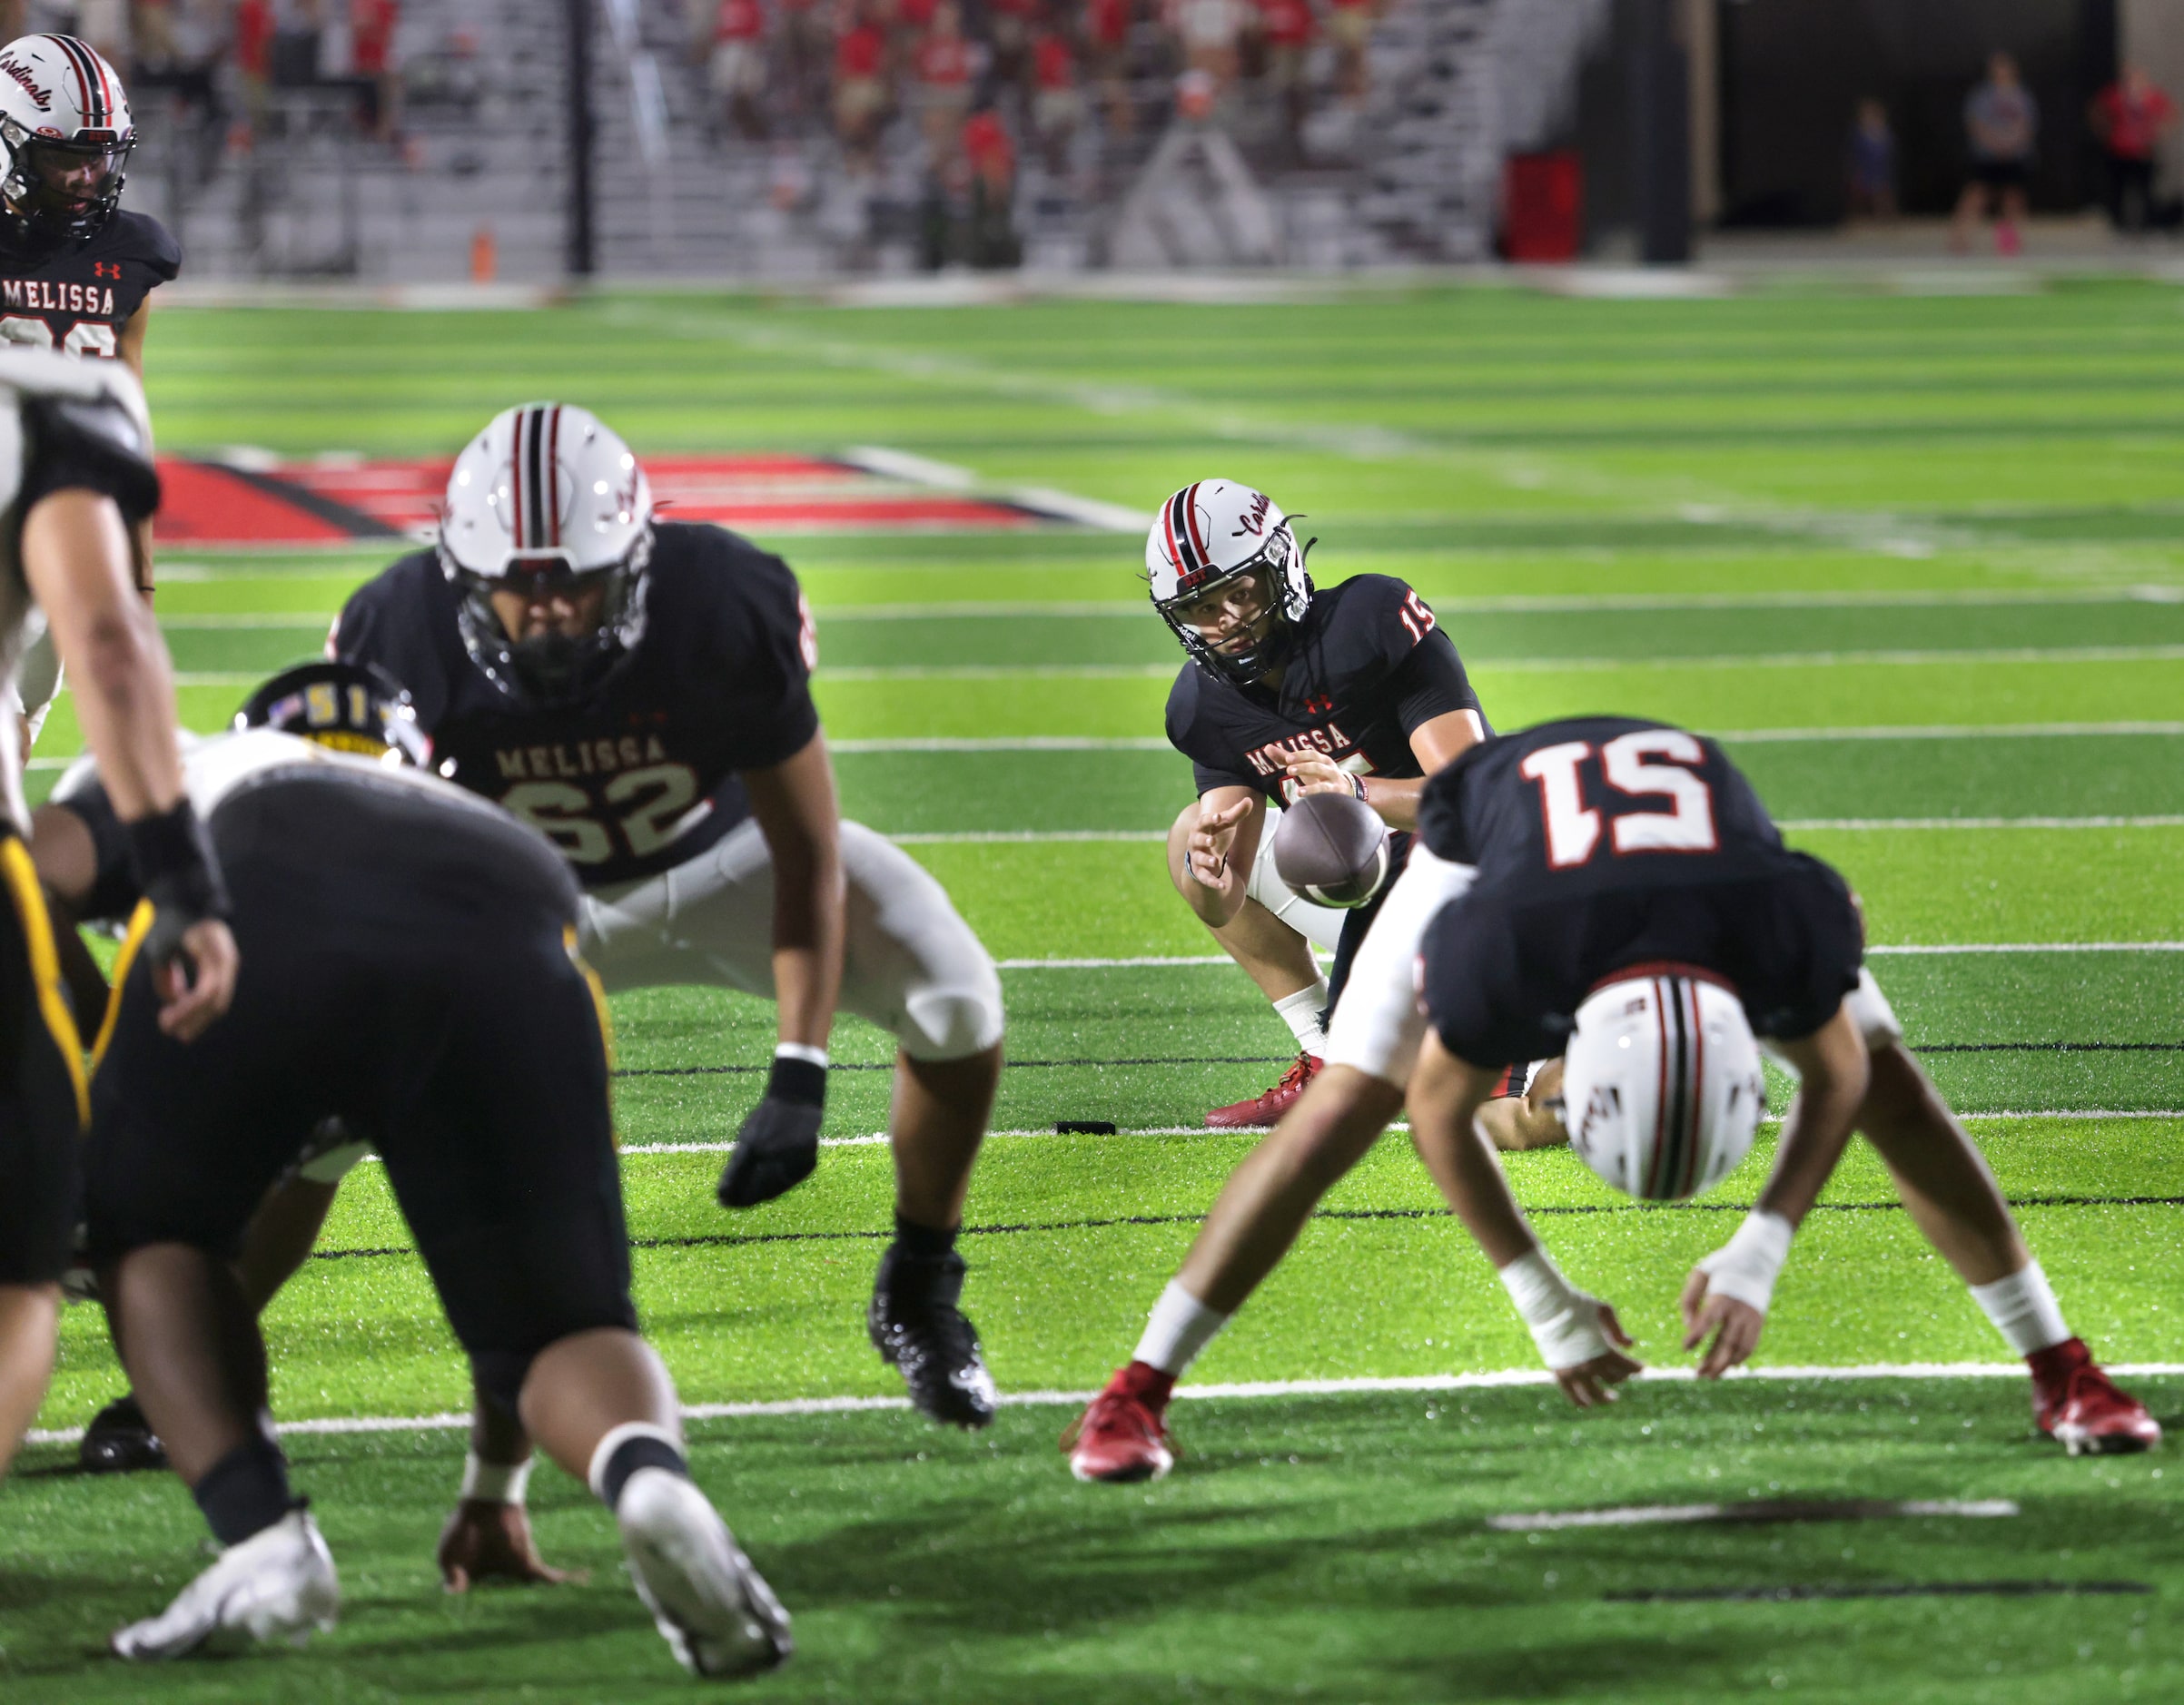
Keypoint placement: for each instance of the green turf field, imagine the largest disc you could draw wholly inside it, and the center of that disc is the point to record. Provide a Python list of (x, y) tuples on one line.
[(1920, 561)]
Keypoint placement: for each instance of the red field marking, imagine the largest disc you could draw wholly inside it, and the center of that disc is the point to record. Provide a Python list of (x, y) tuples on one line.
[(316, 503)]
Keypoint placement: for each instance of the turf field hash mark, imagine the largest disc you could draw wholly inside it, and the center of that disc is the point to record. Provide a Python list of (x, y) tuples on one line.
[(1761, 1509)]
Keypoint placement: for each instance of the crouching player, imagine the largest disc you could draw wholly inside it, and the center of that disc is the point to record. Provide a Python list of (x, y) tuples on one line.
[(642, 694), (1289, 689), (1592, 847), (412, 973)]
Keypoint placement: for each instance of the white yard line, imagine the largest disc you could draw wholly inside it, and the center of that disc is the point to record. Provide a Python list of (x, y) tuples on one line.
[(1243, 1391), (1678, 1515), (1150, 961), (1942, 731), (1032, 837)]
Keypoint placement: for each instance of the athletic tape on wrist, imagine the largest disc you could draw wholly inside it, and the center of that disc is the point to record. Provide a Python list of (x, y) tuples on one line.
[(1745, 1267), (495, 1482), (175, 865), (1565, 1321)]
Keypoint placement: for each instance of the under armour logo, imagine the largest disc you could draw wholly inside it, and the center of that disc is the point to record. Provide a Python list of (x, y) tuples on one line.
[(106, 269), (1320, 705)]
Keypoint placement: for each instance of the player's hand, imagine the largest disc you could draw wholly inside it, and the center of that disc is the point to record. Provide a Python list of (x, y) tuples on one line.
[(196, 979), (1313, 772), (1735, 1325), (490, 1541), (1206, 854), (1590, 1383), (775, 1151)]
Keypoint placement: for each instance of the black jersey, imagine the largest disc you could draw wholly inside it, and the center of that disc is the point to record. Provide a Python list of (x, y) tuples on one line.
[(639, 773), (1602, 843), (1368, 665), (76, 297)]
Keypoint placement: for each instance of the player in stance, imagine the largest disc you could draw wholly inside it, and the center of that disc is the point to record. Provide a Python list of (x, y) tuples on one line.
[(75, 454), (413, 973), (640, 692), (1581, 850), (1289, 689)]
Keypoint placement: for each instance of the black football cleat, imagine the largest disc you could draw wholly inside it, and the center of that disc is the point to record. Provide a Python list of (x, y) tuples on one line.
[(120, 1441), (916, 1325)]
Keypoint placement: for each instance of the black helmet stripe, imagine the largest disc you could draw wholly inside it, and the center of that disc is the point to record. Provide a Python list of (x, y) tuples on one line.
[(1180, 542), (1673, 1127), (91, 83), (551, 459)]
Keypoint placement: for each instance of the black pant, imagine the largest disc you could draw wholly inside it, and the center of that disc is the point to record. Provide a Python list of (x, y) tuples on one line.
[(2131, 192), (43, 1102)]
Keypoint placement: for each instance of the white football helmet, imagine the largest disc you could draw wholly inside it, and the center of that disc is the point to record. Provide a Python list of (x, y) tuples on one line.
[(65, 137), (1210, 533), (547, 493), (1661, 1083)]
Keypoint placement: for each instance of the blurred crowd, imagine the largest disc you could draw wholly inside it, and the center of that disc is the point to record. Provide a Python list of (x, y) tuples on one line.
[(972, 80)]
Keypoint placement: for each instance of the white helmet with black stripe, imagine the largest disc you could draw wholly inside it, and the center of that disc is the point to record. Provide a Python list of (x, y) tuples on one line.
[(1662, 1088), (1214, 532), (65, 136), (548, 498)]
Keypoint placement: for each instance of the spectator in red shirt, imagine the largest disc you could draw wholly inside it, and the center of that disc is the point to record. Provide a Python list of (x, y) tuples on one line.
[(736, 67), (1107, 40), (2129, 117), (942, 67), (861, 99), (1057, 103), (992, 157)]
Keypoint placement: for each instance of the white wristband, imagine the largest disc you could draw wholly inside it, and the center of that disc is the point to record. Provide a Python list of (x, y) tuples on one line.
[(1564, 1321), (1745, 1267), (495, 1482), (804, 1052)]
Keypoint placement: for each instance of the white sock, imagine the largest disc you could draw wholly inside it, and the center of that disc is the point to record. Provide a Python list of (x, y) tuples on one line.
[(2024, 1310), (1179, 1328), (1301, 1011)]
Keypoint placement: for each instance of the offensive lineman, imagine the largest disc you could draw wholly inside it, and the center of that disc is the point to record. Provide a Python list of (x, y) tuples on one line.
[(1289, 689), (76, 450), (1537, 853), (414, 976), (640, 692)]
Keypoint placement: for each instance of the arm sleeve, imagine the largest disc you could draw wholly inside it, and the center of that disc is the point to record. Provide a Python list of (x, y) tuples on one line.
[(1431, 683), (1441, 816), (1207, 778), (779, 646), (114, 890), (92, 444)]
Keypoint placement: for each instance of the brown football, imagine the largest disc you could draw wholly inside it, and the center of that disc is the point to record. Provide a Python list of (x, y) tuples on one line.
[(1332, 849)]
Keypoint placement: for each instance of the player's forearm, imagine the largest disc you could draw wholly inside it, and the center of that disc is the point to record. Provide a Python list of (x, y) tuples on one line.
[(1446, 1095), (1833, 1072), (76, 555), (1395, 801), (496, 1436)]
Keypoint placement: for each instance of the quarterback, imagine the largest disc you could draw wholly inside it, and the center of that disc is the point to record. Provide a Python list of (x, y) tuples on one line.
[(638, 691), (1289, 689), (1556, 864)]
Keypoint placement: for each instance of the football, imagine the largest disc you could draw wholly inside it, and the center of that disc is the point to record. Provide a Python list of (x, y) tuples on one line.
[(1332, 849)]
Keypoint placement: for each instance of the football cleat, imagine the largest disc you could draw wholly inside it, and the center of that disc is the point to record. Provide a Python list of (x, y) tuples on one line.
[(1120, 1436), (2080, 1407), (916, 1324), (120, 1441), (717, 1613), (278, 1584), (1263, 1111)]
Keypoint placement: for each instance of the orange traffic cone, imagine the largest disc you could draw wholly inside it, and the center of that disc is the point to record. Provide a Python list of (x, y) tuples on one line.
[(485, 255)]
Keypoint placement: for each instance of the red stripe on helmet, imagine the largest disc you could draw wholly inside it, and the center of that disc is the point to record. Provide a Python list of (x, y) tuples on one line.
[(1660, 1104), (1697, 1093), (68, 47), (1176, 554), (1190, 522), (553, 477), (516, 482)]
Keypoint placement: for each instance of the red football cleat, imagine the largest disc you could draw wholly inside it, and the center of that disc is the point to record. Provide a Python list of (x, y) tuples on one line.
[(2076, 1403), (1120, 1435), (1263, 1112)]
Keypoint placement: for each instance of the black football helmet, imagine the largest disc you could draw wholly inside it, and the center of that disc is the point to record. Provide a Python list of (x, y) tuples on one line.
[(349, 707)]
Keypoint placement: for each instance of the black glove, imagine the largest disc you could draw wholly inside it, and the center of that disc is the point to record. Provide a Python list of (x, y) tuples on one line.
[(778, 1144), (179, 874)]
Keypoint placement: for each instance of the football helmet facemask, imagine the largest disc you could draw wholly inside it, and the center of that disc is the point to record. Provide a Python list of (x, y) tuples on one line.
[(65, 136), (348, 706), (1208, 535), (1661, 1083), (548, 500)]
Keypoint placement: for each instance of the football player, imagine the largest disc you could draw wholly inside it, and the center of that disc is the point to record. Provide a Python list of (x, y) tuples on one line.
[(640, 691), (1549, 863), (414, 975), (1289, 689), (76, 273), (75, 453)]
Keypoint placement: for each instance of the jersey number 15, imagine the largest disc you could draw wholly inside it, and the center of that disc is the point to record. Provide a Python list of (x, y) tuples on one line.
[(1573, 827)]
